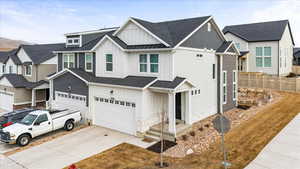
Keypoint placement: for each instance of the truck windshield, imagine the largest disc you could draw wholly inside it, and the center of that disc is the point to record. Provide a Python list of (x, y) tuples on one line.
[(28, 120)]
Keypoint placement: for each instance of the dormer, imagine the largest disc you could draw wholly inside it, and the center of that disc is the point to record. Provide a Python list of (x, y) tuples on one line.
[(73, 41)]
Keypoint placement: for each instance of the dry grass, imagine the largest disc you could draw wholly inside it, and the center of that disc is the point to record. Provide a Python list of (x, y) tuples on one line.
[(44, 138), (243, 143)]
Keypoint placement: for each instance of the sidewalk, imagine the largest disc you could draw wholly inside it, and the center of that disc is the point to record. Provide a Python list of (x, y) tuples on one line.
[(283, 152)]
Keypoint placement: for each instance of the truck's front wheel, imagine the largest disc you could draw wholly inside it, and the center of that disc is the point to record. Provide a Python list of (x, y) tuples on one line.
[(23, 140), (69, 125)]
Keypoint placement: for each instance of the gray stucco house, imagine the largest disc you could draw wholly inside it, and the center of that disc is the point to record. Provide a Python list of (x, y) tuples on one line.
[(122, 78)]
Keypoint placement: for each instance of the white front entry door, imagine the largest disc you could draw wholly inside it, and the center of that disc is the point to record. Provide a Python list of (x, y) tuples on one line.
[(6, 101), (114, 114)]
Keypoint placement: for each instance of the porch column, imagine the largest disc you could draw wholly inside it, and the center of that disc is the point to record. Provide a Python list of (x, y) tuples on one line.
[(171, 113), (33, 94), (188, 104), (50, 91)]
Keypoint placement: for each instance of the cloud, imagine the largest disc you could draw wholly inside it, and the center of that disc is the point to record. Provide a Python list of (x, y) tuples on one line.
[(280, 10)]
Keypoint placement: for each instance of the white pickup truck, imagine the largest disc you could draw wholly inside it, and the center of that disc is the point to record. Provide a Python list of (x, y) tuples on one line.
[(37, 123)]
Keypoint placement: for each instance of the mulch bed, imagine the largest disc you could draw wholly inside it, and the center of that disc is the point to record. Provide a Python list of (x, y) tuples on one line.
[(156, 147)]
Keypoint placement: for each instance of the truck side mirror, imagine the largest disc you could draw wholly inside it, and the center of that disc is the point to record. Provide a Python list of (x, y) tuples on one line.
[(36, 124)]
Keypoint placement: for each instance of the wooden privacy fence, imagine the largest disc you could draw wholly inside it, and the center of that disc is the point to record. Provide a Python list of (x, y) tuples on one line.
[(259, 80), (296, 69)]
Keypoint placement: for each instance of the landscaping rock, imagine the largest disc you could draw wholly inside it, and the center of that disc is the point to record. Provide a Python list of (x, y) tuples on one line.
[(189, 151)]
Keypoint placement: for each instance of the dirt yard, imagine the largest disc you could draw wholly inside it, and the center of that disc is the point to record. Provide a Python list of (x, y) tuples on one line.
[(243, 143)]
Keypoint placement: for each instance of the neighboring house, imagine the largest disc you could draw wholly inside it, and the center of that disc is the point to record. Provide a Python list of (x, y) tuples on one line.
[(23, 73), (265, 47), (296, 54), (123, 78)]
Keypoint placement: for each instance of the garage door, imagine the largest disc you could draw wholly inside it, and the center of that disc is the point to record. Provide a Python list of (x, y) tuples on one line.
[(70, 101), (6, 101), (114, 114)]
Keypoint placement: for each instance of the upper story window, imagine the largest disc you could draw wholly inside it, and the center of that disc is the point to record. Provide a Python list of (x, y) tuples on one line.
[(3, 69), (28, 70), (109, 62), (89, 62), (238, 46), (143, 62), (263, 57), (73, 41), (10, 69), (209, 27), (154, 63), (149, 63), (68, 60)]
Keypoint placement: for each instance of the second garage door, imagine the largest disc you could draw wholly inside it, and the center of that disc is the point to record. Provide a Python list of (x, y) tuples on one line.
[(115, 114), (6, 101)]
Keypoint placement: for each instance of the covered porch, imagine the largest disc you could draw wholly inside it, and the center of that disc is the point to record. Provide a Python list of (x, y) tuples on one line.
[(178, 114), (39, 92), (243, 61)]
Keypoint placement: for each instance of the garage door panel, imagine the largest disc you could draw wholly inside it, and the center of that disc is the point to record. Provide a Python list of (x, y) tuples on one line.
[(6, 101), (115, 116)]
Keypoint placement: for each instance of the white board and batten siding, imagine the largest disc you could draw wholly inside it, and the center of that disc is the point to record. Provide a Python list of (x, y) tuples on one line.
[(116, 115), (286, 52), (205, 103), (11, 63), (244, 45), (132, 34), (23, 56)]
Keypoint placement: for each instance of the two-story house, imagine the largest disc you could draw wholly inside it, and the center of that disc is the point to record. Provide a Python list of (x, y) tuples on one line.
[(23, 73), (265, 47), (124, 78)]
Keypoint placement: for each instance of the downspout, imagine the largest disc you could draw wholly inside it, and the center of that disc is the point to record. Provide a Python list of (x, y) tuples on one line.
[(221, 84)]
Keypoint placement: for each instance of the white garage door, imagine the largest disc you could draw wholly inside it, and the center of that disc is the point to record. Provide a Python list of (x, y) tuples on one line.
[(70, 101), (6, 101), (115, 114)]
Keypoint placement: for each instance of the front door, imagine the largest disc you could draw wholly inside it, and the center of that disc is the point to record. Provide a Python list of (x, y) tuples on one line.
[(178, 106)]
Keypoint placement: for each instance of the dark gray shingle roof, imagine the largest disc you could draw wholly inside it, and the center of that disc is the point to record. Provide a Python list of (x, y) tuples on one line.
[(224, 46), (172, 32), (9, 54), (130, 81), (256, 32), (41, 52), (296, 52), (168, 84), (17, 81)]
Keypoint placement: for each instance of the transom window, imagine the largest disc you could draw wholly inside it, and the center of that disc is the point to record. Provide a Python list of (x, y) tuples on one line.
[(263, 57), (73, 41), (68, 60), (109, 62), (149, 63), (208, 27), (89, 62), (28, 70)]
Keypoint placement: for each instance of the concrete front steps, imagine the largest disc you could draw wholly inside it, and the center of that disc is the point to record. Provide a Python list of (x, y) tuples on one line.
[(155, 131)]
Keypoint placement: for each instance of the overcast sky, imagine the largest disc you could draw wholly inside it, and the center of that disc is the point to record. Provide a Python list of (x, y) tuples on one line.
[(45, 21)]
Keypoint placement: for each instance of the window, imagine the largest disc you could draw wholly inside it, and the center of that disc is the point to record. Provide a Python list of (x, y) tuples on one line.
[(10, 69), (238, 46), (143, 63), (214, 71), (28, 69), (267, 57), (263, 57), (73, 41), (89, 62), (234, 88), (153, 63), (109, 62), (259, 60), (42, 118), (208, 27), (3, 68), (68, 60), (224, 87)]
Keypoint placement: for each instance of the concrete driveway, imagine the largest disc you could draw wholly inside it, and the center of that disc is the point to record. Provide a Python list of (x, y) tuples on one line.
[(283, 152), (70, 148)]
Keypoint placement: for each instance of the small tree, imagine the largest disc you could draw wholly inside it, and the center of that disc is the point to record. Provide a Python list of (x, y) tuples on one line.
[(163, 118)]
